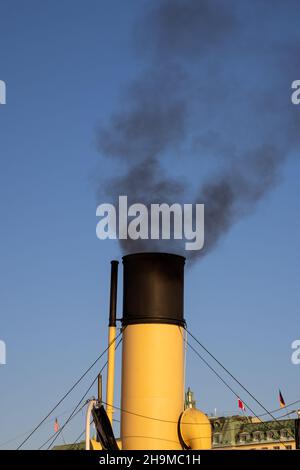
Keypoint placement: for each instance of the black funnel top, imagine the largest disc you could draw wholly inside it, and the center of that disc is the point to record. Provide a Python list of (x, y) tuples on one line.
[(153, 288)]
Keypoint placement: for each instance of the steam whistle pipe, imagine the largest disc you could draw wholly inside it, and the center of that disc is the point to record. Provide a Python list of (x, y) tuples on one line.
[(111, 340)]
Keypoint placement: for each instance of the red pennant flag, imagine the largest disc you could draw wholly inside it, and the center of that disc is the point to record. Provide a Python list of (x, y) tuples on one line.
[(241, 405), (56, 425)]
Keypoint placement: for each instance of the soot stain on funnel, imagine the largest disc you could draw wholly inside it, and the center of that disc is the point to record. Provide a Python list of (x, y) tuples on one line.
[(215, 88)]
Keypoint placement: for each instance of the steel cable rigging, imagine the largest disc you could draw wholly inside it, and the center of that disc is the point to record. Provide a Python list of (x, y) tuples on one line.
[(68, 392)]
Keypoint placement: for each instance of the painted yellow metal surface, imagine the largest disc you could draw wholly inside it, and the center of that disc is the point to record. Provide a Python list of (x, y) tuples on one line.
[(110, 372), (95, 445), (152, 386), (195, 429)]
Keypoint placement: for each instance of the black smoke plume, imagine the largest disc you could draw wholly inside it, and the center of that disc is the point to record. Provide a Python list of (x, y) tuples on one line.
[(215, 91)]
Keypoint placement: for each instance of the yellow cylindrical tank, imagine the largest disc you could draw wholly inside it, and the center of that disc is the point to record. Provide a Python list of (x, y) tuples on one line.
[(152, 386), (195, 429)]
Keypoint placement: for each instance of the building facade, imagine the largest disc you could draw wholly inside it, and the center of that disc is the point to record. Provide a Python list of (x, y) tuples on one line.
[(247, 433)]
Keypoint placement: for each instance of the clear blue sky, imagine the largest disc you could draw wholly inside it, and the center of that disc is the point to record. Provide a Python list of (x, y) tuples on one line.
[(65, 64)]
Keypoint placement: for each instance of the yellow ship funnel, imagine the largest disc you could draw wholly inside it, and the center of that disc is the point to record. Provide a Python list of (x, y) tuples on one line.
[(152, 389)]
